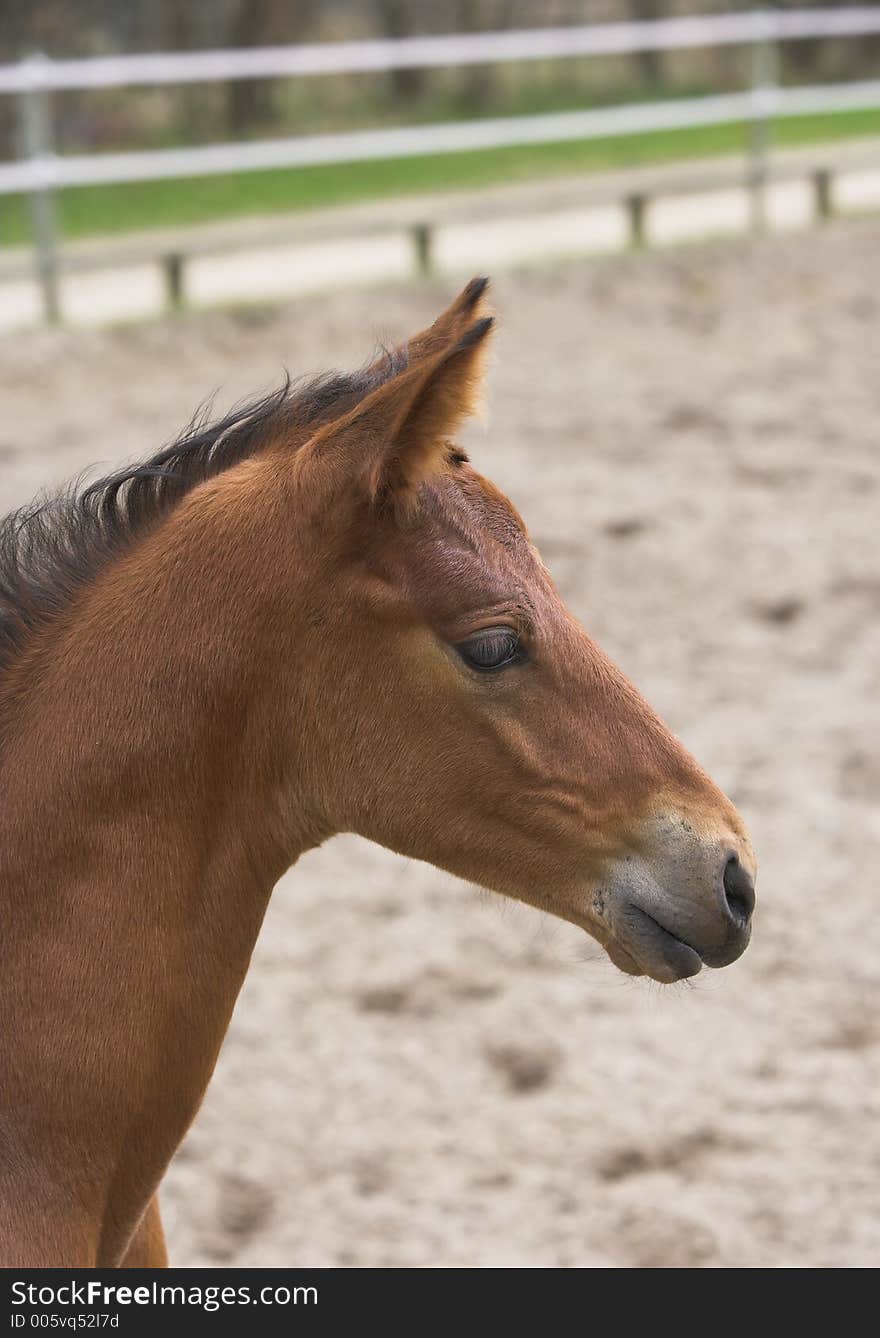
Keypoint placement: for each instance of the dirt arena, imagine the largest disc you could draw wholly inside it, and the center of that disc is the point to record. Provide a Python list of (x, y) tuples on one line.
[(418, 1074)]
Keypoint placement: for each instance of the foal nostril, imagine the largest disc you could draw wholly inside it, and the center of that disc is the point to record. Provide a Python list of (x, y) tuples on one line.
[(739, 892)]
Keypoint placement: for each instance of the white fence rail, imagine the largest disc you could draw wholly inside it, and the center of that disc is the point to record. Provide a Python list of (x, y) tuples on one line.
[(41, 172), (49, 172), (757, 25)]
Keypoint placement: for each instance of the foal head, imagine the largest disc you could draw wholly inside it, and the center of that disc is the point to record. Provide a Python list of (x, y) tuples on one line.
[(463, 716)]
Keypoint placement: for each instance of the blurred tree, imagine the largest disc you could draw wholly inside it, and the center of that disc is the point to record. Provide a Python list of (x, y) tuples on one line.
[(649, 64), (249, 100), (403, 18), (13, 29), (819, 58), (177, 35), (478, 81)]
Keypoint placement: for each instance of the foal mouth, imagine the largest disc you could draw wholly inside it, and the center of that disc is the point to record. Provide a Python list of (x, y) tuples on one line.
[(645, 948), (684, 904)]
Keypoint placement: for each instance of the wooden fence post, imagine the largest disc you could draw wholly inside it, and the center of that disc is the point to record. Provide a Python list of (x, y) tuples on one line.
[(822, 194), (636, 209), (172, 268), (422, 248)]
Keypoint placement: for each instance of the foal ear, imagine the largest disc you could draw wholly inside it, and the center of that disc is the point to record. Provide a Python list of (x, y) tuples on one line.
[(398, 436), (467, 308)]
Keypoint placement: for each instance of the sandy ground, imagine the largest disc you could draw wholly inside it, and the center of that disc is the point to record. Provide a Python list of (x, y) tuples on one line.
[(419, 1074)]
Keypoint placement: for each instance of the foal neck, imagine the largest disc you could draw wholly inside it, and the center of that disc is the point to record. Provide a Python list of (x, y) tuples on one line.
[(149, 800)]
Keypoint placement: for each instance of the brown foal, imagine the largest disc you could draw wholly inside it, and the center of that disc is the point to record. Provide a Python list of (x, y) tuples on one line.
[(312, 617)]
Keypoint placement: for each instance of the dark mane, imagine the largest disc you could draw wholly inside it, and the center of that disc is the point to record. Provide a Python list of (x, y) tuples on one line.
[(53, 547)]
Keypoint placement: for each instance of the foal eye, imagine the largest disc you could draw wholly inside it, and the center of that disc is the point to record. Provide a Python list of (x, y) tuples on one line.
[(493, 648)]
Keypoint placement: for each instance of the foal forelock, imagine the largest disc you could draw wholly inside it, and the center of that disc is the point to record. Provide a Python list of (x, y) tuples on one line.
[(53, 547)]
